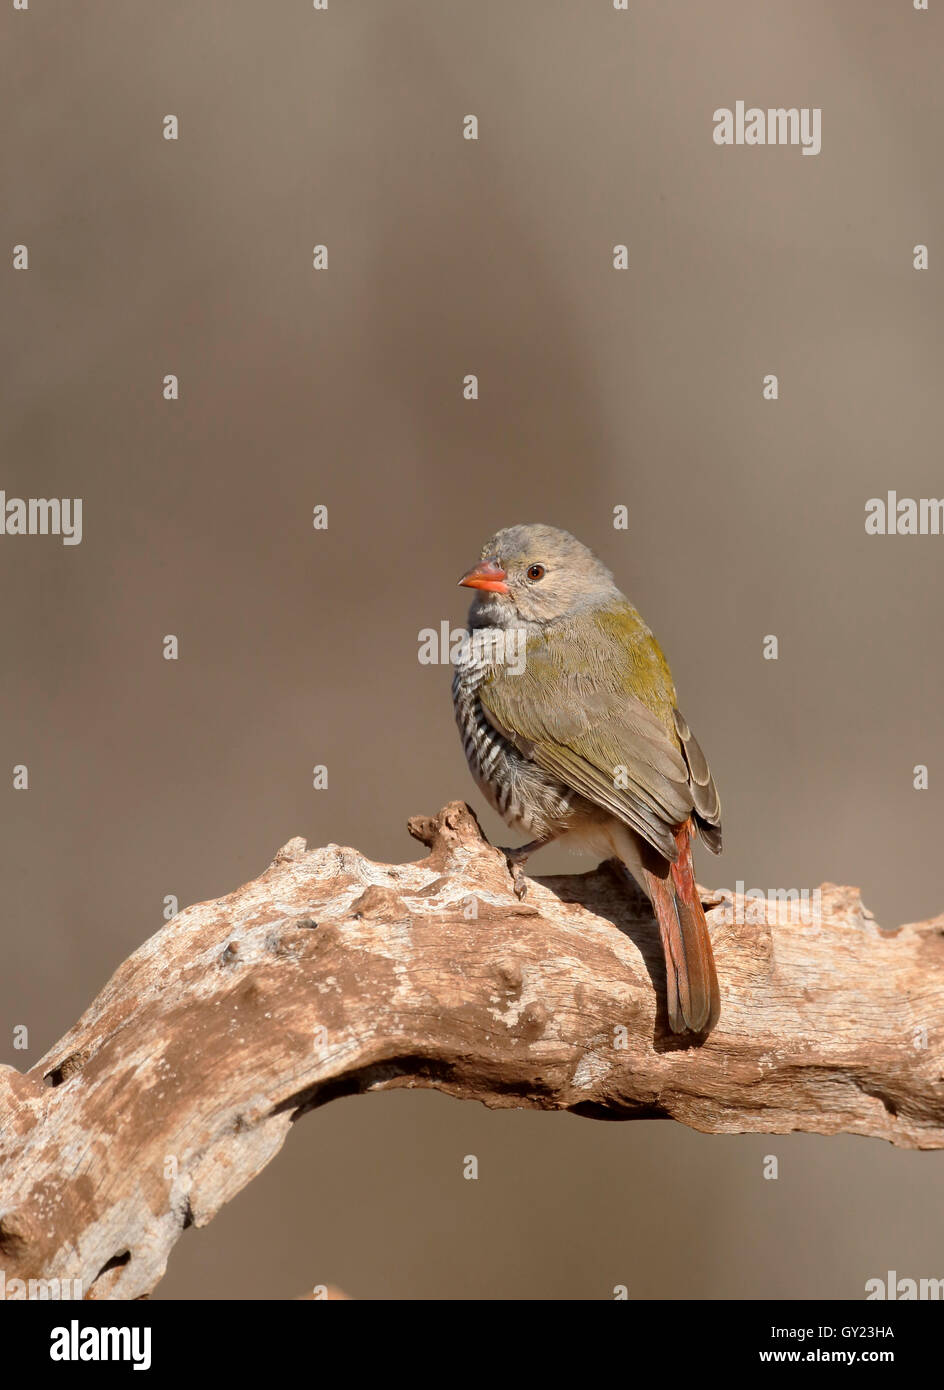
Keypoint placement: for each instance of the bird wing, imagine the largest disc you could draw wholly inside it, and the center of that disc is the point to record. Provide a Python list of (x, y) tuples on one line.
[(707, 803), (579, 722)]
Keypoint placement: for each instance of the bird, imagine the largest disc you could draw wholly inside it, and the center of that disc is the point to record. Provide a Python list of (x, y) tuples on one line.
[(571, 728)]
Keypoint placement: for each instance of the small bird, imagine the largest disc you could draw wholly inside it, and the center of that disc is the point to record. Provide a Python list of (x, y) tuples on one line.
[(570, 726)]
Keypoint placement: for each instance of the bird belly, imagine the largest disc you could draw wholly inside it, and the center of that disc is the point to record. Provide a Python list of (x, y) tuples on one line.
[(603, 836)]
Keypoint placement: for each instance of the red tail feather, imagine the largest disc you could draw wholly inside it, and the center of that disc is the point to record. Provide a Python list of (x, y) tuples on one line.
[(694, 1000)]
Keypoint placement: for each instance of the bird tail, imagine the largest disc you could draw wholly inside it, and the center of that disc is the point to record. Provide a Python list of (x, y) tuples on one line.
[(694, 1000)]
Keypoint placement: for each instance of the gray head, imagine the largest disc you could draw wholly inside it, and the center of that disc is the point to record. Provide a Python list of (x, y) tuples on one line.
[(536, 574)]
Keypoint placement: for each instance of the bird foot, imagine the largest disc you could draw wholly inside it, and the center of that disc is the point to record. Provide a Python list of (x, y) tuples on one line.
[(516, 861)]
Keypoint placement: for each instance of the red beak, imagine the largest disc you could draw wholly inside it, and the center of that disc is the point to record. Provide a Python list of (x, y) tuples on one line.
[(488, 576)]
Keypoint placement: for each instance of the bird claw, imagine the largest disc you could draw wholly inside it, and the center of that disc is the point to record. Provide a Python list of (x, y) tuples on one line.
[(516, 862)]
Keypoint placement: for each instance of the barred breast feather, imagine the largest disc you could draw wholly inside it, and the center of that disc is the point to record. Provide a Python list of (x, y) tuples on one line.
[(526, 798)]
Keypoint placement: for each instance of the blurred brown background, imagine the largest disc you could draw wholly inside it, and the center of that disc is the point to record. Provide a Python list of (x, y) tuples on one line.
[(598, 388)]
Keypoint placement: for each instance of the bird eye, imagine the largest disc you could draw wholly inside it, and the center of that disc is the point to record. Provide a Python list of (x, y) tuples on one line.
[(536, 572)]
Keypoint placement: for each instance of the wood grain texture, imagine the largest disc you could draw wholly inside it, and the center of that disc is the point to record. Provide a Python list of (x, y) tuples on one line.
[(331, 975)]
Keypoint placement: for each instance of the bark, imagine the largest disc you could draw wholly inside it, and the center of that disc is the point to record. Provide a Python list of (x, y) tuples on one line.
[(331, 975)]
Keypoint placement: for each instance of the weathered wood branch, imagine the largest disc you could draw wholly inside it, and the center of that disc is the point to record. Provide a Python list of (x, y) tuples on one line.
[(330, 974)]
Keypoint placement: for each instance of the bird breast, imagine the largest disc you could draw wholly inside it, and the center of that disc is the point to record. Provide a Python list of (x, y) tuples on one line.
[(527, 798)]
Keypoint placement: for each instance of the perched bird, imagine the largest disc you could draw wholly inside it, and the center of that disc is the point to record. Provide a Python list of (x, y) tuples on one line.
[(570, 726)]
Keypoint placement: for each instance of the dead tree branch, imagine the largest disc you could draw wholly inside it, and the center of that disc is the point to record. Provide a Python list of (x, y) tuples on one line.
[(330, 975)]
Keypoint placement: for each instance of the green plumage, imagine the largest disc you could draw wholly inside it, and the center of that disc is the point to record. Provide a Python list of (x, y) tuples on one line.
[(594, 706)]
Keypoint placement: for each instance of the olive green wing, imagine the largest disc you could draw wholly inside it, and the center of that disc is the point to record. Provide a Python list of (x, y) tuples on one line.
[(574, 710)]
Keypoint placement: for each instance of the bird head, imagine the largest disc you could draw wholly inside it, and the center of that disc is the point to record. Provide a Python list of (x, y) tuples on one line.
[(535, 574)]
